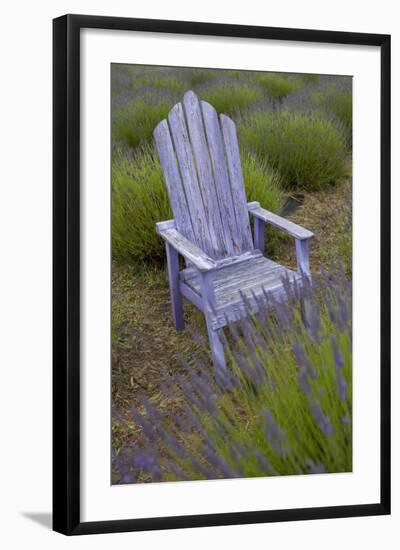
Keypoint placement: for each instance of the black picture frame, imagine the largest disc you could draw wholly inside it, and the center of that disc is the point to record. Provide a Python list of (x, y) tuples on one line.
[(66, 273)]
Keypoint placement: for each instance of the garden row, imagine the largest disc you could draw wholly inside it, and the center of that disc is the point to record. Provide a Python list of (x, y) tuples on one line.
[(294, 133)]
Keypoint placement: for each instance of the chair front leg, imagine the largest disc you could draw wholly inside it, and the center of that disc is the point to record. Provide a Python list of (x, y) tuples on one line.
[(173, 278), (259, 234), (303, 267), (208, 299), (303, 262)]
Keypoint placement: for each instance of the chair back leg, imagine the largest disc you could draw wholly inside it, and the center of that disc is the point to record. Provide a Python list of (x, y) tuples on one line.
[(176, 296)]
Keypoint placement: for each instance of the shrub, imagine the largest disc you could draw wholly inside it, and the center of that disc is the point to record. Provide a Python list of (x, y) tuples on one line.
[(307, 149), (283, 408), (167, 78), (337, 99), (309, 78), (134, 121), (262, 183), (139, 200), (230, 95), (277, 86), (197, 77)]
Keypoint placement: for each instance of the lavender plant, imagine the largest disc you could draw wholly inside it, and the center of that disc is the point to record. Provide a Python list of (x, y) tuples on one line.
[(277, 85), (136, 112), (336, 97), (229, 95), (284, 406), (307, 149)]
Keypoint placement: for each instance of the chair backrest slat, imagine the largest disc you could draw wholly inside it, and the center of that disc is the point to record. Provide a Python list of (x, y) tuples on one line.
[(175, 188), (184, 155), (199, 156), (221, 179), (205, 174), (236, 179)]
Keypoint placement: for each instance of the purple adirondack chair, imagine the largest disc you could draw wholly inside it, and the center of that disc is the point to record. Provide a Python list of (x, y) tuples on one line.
[(200, 160)]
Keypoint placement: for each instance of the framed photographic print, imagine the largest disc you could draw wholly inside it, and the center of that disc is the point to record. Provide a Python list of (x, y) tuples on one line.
[(221, 274)]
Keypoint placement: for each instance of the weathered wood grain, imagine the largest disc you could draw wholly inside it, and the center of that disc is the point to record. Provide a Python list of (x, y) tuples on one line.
[(250, 277), (236, 181), (259, 234), (231, 260), (187, 167), (206, 284), (221, 179), (173, 278), (303, 264), (282, 223), (167, 224), (173, 180), (188, 249), (205, 176)]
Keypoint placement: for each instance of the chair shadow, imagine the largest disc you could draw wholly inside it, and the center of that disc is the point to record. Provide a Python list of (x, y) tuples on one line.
[(45, 519)]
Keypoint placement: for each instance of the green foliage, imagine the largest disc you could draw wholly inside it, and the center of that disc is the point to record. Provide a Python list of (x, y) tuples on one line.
[(161, 80), (277, 86), (133, 124), (338, 100), (309, 78), (196, 77), (230, 96), (307, 149), (262, 183), (139, 200), (305, 444)]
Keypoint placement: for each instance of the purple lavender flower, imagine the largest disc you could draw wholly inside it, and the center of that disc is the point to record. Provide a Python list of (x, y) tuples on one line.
[(273, 432), (316, 468), (339, 362), (322, 421), (304, 383), (302, 359)]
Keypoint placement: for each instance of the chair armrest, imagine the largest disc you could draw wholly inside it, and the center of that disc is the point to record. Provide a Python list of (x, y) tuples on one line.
[(293, 229), (187, 249)]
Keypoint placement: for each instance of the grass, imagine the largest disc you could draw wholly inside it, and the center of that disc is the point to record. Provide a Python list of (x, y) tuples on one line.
[(307, 150)]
